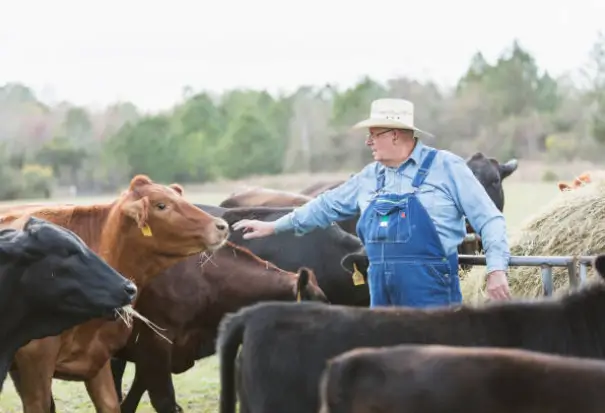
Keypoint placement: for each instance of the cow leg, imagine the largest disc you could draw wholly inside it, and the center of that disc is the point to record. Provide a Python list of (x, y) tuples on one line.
[(102, 391), (154, 366), (239, 384), (34, 372), (16, 378), (133, 397), (118, 367), (158, 379)]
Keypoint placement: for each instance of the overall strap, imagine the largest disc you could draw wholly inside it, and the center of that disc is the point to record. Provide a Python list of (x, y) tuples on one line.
[(424, 168), (380, 179)]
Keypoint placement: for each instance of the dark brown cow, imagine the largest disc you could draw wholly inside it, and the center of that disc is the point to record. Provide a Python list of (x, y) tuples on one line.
[(189, 300), (445, 379), (321, 250), (284, 347), (149, 228)]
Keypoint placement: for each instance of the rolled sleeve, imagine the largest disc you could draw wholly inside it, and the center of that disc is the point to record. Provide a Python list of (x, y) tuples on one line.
[(479, 209)]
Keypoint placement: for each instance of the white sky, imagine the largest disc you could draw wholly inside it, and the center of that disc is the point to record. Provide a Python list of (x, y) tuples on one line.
[(95, 53)]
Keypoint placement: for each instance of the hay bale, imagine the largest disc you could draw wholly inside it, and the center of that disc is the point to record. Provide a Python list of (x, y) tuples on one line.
[(573, 223)]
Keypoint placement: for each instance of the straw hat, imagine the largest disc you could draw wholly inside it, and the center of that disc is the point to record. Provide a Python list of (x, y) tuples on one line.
[(391, 113)]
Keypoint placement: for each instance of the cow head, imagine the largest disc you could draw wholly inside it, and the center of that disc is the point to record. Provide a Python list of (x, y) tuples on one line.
[(61, 274), (162, 219), (307, 288), (491, 174)]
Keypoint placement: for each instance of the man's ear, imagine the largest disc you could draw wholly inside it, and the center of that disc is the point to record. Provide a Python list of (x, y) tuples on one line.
[(137, 210)]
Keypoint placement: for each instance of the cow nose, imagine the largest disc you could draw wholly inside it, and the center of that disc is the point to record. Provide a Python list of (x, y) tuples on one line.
[(130, 288)]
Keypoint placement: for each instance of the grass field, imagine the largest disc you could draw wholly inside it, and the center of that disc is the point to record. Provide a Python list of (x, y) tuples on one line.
[(197, 389)]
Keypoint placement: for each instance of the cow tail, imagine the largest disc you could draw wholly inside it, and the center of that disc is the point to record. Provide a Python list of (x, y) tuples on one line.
[(230, 336)]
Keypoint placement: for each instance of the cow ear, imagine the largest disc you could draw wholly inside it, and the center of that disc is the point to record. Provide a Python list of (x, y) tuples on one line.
[(506, 169), (137, 210), (357, 259), (599, 265), (301, 283), (177, 188), (138, 181), (563, 186)]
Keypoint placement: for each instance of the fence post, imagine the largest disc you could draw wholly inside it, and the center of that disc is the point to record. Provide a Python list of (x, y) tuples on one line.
[(547, 284)]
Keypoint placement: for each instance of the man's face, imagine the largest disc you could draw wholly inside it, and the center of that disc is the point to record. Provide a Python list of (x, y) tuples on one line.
[(380, 141)]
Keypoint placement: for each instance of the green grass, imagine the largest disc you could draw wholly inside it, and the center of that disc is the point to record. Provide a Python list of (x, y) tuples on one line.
[(197, 389)]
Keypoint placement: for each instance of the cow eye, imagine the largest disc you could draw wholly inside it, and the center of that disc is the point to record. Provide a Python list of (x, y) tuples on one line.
[(160, 206)]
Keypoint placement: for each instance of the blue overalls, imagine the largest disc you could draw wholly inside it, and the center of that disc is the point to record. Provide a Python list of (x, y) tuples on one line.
[(408, 265)]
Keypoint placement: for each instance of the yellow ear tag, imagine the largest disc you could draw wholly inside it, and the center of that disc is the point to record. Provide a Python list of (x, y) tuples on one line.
[(146, 231), (357, 276), (298, 296)]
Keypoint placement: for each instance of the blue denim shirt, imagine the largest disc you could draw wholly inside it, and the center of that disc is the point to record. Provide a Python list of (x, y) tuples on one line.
[(449, 193)]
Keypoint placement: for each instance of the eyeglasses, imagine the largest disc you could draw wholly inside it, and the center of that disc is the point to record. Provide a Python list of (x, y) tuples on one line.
[(371, 136)]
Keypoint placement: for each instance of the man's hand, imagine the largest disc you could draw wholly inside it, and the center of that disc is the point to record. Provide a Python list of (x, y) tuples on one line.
[(253, 228), (497, 286)]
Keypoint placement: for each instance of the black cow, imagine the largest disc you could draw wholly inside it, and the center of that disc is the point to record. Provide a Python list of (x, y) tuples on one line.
[(443, 379), (491, 173), (51, 281), (285, 347)]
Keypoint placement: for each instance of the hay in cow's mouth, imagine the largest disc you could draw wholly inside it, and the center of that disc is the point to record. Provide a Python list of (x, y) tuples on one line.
[(127, 314), (573, 223)]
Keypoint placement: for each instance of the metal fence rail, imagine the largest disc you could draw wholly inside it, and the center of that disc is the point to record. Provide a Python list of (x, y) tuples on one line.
[(546, 263)]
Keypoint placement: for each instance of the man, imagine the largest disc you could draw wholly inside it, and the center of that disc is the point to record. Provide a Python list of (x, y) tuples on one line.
[(412, 200)]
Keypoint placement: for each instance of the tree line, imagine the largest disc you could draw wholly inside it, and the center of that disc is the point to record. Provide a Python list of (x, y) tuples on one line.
[(506, 108)]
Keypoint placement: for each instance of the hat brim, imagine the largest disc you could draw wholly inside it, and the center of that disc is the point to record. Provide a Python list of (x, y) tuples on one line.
[(387, 123)]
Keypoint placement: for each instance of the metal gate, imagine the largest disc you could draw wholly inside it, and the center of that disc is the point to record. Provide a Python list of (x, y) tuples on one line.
[(576, 278)]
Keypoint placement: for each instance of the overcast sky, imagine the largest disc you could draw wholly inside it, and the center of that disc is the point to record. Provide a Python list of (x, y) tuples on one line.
[(95, 53)]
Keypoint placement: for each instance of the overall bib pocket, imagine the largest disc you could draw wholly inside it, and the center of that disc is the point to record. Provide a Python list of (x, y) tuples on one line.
[(393, 227)]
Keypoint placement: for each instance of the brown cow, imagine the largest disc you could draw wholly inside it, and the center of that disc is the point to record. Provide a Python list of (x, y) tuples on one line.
[(321, 187), (20, 208), (581, 180), (189, 300), (443, 379), (146, 230)]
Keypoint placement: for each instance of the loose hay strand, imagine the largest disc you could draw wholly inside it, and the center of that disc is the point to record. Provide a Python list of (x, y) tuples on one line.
[(128, 313), (573, 223)]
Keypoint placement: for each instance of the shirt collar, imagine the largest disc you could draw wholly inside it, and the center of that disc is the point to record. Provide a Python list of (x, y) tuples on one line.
[(415, 157)]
